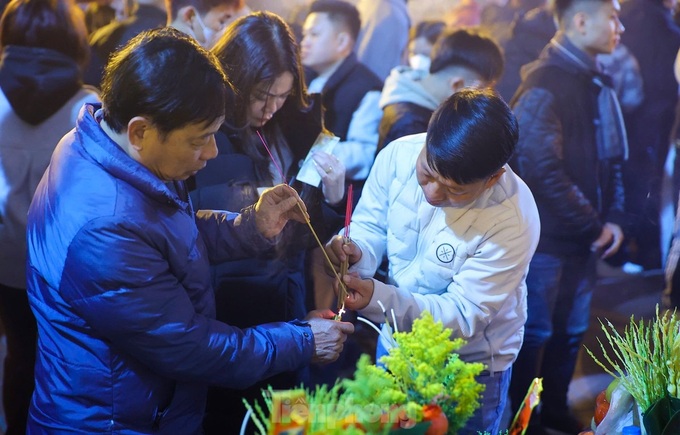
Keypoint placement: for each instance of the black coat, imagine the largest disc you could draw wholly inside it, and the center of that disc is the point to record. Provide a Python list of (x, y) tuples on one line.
[(402, 119), (343, 93), (575, 191)]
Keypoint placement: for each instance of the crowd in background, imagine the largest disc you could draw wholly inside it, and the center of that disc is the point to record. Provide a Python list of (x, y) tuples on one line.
[(596, 119)]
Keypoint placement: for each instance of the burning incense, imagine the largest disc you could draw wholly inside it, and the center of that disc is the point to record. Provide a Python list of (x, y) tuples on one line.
[(343, 288)]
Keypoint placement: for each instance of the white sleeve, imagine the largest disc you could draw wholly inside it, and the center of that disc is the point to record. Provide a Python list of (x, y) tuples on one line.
[(368, 228), (358, 151)]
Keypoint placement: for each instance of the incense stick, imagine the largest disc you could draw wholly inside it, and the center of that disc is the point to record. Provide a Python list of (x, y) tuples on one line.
[(344, 265), (343, 288)]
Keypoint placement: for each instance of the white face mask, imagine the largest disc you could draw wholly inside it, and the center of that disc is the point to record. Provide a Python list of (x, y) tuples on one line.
[(208, 33), (420, 61)]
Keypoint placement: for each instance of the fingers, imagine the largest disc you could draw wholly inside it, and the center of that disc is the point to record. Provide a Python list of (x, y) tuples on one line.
[(329, 337), (320, 314), (335, 251), (359, 291), (613, 248), (293, 208), (346, 328)]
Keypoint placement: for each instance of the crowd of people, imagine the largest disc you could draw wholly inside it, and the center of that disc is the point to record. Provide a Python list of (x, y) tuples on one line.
[(175, 178)]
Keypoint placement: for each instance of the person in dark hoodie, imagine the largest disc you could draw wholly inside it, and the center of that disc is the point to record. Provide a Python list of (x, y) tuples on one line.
[(460, 59), (41, 93), (570, 153)]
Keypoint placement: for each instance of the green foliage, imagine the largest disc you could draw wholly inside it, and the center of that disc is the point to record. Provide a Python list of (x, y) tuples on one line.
[(426, 369), (422, 369), (646, 357)]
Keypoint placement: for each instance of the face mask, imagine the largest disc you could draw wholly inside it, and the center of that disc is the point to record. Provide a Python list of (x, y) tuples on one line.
[(420, 61), (208, 33)]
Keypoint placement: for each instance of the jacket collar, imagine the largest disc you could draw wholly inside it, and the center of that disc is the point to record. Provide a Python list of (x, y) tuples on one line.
[(118, 163)]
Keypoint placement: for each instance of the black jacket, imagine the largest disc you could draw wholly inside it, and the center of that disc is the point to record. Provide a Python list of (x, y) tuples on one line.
[(343, 93), (575, 191), (402, 119)]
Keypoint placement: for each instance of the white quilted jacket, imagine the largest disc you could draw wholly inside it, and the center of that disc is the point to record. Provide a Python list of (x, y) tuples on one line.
[(466, 266)]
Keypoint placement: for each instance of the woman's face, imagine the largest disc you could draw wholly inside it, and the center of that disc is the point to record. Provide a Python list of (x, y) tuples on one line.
[(266, 101)]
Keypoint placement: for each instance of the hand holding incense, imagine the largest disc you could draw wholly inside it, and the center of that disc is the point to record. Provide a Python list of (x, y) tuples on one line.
[(344, 265), (302, 208)]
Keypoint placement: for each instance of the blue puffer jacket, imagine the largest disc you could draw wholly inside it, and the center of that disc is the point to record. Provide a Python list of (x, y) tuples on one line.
[(119, 281)]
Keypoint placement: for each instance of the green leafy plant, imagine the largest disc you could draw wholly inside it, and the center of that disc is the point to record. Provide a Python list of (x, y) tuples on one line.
[(646, 357), (426, 368), (422, 369)]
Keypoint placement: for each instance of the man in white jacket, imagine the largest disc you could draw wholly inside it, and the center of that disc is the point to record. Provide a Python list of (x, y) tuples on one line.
[(458, 228)]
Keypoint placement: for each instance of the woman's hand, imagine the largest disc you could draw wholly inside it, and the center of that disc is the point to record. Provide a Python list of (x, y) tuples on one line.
[(332, 173)]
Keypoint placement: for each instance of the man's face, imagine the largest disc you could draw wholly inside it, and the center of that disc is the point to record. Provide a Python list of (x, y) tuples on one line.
[(265, 101), (321, 41), (442, 192), (181, 153), (602, 29)]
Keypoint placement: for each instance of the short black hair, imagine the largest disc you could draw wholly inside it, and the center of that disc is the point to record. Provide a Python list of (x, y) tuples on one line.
[(561, 7), (471, 136), (340, 12), (166, 76), (468, 48), (428, 29), (57, 25)]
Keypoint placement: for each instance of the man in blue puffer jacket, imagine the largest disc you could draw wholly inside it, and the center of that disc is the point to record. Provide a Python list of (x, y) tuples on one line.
[(118, 261)]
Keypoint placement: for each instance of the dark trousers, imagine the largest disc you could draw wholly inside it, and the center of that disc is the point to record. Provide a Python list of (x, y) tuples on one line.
[(21, 332), (558, 311)]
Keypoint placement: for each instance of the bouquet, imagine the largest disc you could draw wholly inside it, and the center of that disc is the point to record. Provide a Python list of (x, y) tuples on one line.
[(423, 387), (645, 361)]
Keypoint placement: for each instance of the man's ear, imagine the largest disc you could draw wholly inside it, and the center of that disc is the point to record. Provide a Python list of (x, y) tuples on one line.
[(186, 14), (138, 129), (494, 178), (579, 21), (345, 42), (456, 83)]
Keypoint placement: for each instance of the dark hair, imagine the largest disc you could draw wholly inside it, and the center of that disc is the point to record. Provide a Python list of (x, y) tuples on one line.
[(428, 29), (202, 6), (255, 50), (165, 75), (57, 25), (339, 12), (471, 136), (469, 49), (561, 7)]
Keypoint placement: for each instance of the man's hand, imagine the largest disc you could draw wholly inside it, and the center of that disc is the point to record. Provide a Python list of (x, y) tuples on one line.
[(338, 251), (276, 207), (359, 291), (329, 335), (609, 241)]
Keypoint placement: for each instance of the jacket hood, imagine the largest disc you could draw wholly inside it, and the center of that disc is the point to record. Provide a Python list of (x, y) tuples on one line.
[(537, 24), (403, 85), (37, 81)]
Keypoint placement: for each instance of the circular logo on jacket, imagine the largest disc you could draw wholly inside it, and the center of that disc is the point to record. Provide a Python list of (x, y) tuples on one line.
[(445, 253)]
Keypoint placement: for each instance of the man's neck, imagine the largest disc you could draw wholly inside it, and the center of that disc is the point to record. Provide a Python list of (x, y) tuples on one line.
[(329, 69), (119, 138)]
